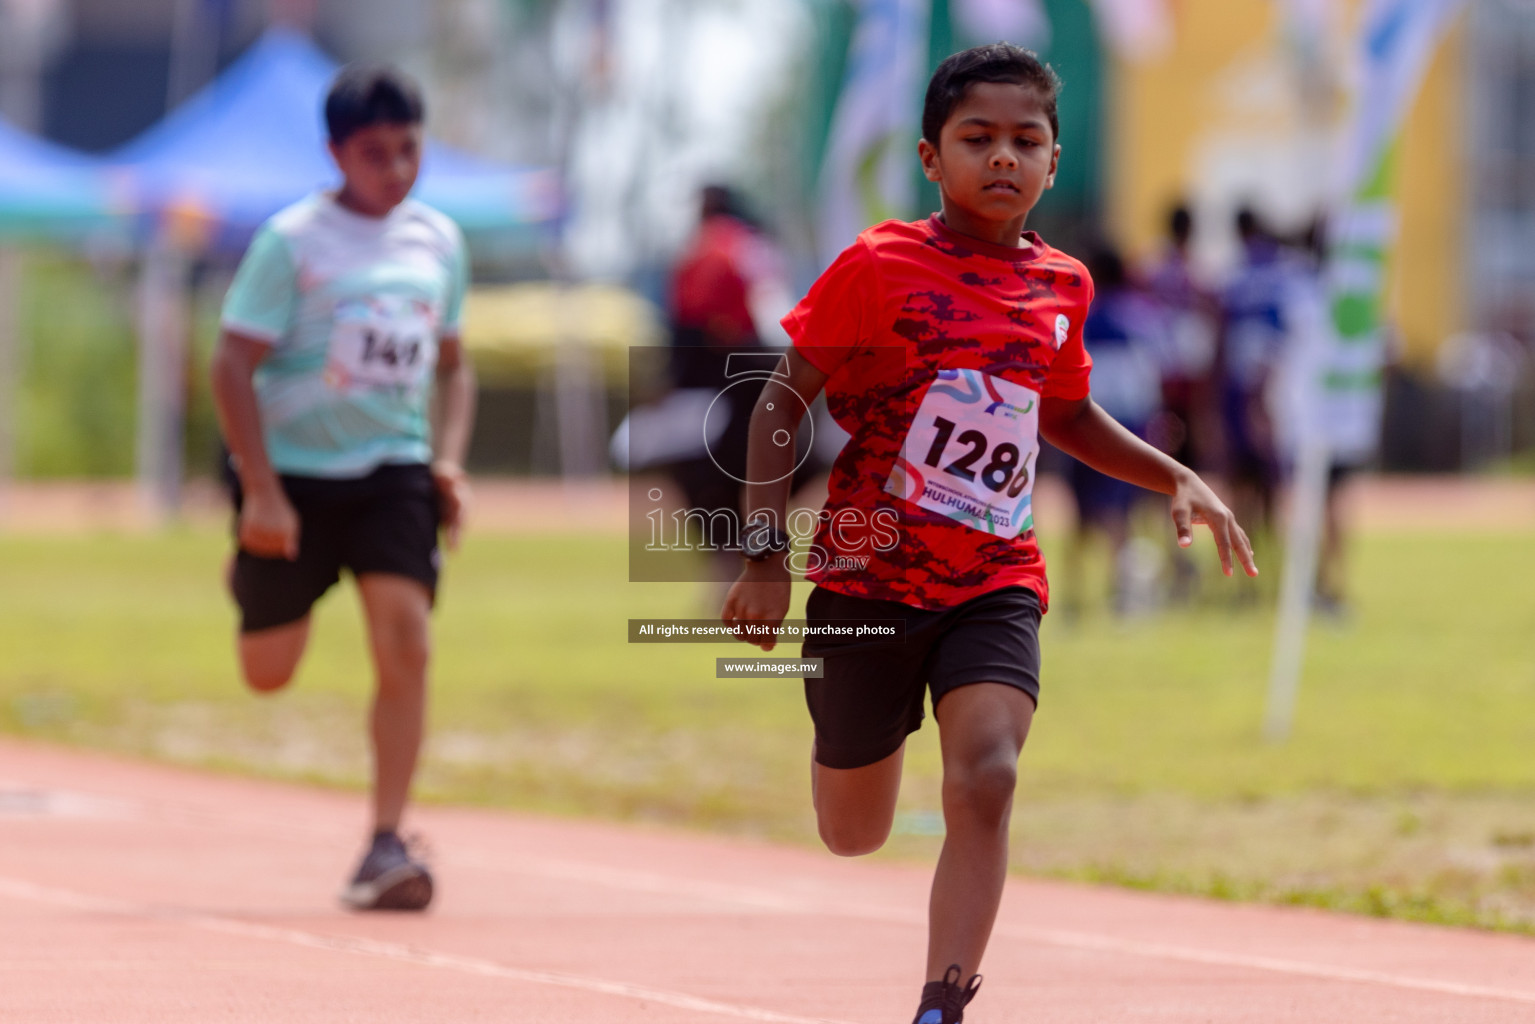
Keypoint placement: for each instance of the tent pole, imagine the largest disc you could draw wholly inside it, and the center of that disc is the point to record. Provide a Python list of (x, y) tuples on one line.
[(163, 274), (10, 363), (578, 398), (579, 414)]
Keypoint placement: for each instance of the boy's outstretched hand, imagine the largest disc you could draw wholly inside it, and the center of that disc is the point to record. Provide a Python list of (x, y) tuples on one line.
[(761, 595), (1194, 502)]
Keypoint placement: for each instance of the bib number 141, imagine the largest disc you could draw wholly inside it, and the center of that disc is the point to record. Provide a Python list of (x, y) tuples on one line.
[(385, 343)]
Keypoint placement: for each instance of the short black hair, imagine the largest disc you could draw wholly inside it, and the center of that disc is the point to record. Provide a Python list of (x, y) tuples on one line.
[(995, 62), (364, 95), (1180, 223), (1249, 224), (717, 200), (1106, 266)]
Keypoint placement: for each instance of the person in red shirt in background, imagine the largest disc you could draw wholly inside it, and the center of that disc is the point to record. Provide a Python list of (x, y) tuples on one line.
[(719, 277), (728, 272), (946, 347)]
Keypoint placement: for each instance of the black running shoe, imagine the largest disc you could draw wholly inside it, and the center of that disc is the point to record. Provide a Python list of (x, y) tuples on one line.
[(389, 878), (944, 1002)]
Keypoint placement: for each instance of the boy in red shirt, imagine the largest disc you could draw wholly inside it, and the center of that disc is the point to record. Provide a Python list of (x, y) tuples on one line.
[(946, 348)]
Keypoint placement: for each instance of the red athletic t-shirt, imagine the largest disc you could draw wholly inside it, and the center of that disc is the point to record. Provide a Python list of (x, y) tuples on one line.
[(711, 288), (938, 348)]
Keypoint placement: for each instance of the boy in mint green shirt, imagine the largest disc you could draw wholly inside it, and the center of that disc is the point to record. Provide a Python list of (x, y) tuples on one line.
[(341, 325)]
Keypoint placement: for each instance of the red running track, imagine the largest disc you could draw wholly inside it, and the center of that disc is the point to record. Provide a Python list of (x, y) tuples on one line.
[(140, 893)]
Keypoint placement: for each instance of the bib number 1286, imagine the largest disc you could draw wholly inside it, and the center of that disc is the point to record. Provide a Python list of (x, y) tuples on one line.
[(1001, 472), (969, 451)]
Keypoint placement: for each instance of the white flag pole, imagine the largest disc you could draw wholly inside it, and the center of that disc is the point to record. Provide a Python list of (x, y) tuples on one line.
[(1303, 538)]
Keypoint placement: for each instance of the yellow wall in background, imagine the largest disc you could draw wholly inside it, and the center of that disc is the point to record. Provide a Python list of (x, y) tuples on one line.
[(1159, 111), (1426, 285)]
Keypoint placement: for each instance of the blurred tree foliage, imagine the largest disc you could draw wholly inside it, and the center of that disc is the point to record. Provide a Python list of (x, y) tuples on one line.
[(76, 403)]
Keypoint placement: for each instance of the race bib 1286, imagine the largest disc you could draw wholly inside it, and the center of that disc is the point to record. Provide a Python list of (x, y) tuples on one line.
[(382, 343), (970, 452)]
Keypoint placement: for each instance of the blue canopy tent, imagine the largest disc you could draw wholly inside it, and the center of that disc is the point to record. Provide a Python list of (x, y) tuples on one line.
[(253, 141), (48, 191)]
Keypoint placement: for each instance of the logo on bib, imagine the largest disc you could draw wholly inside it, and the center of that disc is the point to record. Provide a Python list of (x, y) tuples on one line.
[(1062, 328)]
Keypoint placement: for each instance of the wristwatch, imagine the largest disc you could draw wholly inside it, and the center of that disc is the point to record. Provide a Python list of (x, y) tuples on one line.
[(761, 540)]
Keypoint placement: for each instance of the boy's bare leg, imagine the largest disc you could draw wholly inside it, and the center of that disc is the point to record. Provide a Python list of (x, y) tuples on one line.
[(855, 807), (981, 728), (268, 657), (1330, 568), (398, 611)]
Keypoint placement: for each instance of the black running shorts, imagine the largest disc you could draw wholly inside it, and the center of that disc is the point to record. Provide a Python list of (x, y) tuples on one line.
[(385, 522), (870, 696)]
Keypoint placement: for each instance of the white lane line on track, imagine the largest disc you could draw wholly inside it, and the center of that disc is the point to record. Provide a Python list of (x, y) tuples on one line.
[(777, 902), (762, 900), (22, 890), (1278, 965)]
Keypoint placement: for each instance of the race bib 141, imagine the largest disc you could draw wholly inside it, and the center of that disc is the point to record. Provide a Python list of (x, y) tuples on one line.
[(970, 452), (382, 343)]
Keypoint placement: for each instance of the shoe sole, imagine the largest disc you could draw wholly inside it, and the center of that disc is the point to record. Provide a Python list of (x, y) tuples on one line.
[(408, 887)]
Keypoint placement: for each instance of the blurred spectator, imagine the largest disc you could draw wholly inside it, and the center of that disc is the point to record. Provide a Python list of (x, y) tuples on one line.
[(1304, 407), (1121, 334), (1485, 369), (1255, 332), (1313, 390), (1186, 427), (727, 274), (1321, 391), (1343, 417), (723, 279), (726, 295)]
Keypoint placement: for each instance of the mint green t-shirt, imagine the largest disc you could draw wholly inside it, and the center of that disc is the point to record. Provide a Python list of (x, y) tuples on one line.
[(354, 308)]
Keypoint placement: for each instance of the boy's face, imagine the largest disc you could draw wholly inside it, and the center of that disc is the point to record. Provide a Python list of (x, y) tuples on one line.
[(380, 164), (995, 157)]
